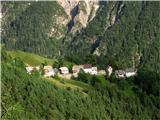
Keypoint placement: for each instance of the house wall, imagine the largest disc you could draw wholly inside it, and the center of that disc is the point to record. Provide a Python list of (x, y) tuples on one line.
[(64, 71), (29, 69), (129, 74), (88, 70), (120, 75), (94, 72), (110, 71), (101, 72), (49, 73)]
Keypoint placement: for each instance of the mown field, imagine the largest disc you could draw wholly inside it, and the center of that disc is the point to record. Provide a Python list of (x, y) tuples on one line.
[(33, 59)]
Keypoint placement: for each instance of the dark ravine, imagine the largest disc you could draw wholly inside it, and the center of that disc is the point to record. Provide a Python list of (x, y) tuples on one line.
[(73, 13), (95, 44)]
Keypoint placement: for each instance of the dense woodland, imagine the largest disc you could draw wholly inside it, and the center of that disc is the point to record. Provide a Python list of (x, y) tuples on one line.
[(27, 27), (27, 96)]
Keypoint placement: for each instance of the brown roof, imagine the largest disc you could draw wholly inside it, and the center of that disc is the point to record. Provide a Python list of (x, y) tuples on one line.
[(130, 70), (87, 66), (77, 67), (120, 72)]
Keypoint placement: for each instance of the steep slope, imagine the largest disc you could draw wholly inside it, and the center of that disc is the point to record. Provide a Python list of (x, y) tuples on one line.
[(80, 12), (30, 58), (36, 60), (123, 34), (118, 33), (134, 39), (33, 26), (40, 27)]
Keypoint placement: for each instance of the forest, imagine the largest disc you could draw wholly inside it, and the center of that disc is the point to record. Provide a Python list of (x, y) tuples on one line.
[(27, 96)]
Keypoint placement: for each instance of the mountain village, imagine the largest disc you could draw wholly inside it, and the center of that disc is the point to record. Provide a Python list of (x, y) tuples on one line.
[(63, 71)]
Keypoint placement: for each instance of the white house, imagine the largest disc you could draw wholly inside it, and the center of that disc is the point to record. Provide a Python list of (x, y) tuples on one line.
[(29, 69), (87, 68), (109, 70), (94, 71), (130, 72), (64, 70), (120, 73), (101, 72), (76, 69), (126, 73), (37, 68), (48, 71)]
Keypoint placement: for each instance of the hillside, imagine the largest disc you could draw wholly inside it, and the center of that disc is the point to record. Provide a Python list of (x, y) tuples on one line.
[(120, 33), (43, 25), (27, 96), (40, 24), (30, 58), (36, 60)]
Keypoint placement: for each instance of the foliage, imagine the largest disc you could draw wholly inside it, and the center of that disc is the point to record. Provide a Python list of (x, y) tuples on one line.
[(84, 77), (27, 96), (27, 26), (149, 81)]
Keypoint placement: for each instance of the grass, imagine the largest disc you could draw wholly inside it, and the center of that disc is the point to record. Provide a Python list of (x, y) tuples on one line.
[(33, 59), (79, 83), (30, 58), (65, 84), (70, 84)]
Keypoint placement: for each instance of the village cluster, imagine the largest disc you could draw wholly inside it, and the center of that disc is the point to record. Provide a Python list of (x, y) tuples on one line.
[(63, 72)]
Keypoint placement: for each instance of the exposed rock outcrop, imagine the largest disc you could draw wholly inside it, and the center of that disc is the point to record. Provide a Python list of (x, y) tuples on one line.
[(87, 11)]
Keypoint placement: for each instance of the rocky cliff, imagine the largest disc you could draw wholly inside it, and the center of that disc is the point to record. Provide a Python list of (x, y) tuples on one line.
[(86, 11)]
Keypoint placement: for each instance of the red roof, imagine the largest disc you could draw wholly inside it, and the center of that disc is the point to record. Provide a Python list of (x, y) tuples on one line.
[(87, 66)]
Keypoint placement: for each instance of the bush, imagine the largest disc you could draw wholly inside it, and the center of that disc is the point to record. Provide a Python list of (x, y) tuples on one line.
[(84, 77)]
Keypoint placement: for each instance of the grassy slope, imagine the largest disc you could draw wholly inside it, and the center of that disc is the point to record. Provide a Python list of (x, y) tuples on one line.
[(30, 58), (69, 84), (33, 59)]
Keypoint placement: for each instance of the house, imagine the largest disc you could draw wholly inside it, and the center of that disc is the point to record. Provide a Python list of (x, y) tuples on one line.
[(109, 70), (101, 72), (87, 68), (126, 73), (120, 73), (130, 72), (64, 70), (76, 69), (37, 68), (94, 71), (48, 71), (29, 69)]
